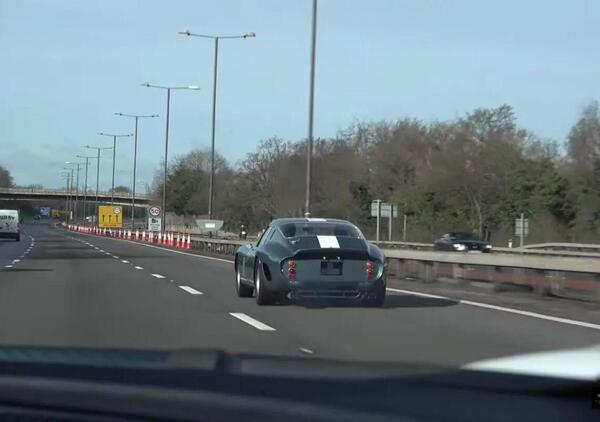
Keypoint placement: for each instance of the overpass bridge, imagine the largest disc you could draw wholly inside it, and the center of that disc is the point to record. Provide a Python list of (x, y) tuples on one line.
[(35, 194)]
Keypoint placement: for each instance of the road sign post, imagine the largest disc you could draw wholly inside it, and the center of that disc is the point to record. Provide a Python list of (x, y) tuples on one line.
[(521, 228), (384, 209), (110, 216), (154, 219)]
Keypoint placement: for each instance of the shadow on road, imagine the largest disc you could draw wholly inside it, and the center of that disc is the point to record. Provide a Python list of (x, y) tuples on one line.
[(391, 302)]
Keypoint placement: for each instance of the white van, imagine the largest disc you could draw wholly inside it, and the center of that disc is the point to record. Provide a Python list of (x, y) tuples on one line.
[(9, 224)]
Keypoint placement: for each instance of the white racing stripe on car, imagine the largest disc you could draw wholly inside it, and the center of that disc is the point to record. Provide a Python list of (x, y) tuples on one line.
[(328, 242), (251, 321)]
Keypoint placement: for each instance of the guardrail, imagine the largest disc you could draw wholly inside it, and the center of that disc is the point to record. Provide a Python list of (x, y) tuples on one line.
[(566, 276)]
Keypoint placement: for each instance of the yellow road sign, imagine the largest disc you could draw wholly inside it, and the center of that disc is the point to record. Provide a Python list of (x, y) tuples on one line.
[(110, 216)]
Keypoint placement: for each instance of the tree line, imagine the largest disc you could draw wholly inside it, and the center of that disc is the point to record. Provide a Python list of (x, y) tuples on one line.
[(477, 173)]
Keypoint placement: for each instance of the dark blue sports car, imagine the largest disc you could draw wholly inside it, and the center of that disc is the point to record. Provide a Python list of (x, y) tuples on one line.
[(311, 258)]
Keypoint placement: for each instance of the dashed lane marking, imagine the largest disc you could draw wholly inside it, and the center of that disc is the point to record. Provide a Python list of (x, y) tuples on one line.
[(158, 275), (137, 267), (251, 321), (190, 290), (124, 261)]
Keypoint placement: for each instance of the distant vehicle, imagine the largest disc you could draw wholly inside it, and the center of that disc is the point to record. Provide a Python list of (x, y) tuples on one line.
[(298, 258), (461, 242), (9, 225)]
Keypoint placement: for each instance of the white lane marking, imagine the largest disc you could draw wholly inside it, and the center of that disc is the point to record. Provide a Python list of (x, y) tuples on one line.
[(138, 267), (22, 256), (307, 351), (106, 253), (97, 248), (191, 290), (212, 258), (115, 257), (251, 321), (158, 275), (503, 309), (124, 261), (410, 292), (101, 250), (8, 266), (15, 261)]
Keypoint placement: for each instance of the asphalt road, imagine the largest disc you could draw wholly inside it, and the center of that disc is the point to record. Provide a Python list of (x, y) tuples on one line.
[(72, 289)]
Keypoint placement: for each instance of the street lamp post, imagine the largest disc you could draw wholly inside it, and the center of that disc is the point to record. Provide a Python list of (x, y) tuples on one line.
[(168, 89), (66, 176), (112, 189), (216, 39), (70, 193), (85, 190), (311, 101), (136, 117), (97, 172), (76, 204)]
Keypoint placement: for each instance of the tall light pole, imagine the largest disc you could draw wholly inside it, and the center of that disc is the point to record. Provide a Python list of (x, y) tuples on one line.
[(97, 172), (136, 117), (168, 89), (311, 102), (85, 190), (216, 39), (66, 177), (76, 206), (70, 192), (112, 189)]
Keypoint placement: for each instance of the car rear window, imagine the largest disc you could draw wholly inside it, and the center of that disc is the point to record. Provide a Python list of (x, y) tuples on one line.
[(319, 229)]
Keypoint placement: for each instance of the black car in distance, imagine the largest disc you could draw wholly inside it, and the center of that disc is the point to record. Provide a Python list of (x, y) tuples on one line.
[(461, 242), (297, 258)]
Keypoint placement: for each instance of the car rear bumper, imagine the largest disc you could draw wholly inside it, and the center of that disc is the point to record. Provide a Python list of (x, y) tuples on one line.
[(9, 235), (322, 289)]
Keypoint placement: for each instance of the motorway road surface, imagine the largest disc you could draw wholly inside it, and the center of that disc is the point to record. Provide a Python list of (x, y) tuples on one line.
[(71, 289)]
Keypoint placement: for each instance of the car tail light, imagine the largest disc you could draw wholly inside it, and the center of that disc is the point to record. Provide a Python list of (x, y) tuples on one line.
[(291, 269), (371, 270)]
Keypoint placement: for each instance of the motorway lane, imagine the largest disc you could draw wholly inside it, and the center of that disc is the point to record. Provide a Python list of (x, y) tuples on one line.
[(68, 293), (11, 250), (408, 328)]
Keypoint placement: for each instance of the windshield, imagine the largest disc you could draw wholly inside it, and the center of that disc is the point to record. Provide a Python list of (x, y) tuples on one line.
[(464, 236), (319, 229), (411, 182)]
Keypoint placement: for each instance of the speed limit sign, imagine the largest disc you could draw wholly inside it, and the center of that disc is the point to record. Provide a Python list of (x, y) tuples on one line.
[(154, 211)]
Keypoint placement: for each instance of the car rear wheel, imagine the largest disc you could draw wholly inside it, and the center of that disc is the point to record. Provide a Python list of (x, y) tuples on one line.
[(263, 296), (241, 289)]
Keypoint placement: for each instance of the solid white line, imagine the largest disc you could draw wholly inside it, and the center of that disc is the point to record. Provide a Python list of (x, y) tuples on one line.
[(532, 314), (124, 261), (158, 275), (190, 290), (251, 321), (503, 309), (138, 268), (410, 292)]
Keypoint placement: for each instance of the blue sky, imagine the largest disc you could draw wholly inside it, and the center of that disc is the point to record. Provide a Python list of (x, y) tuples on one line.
[(68, 66)]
